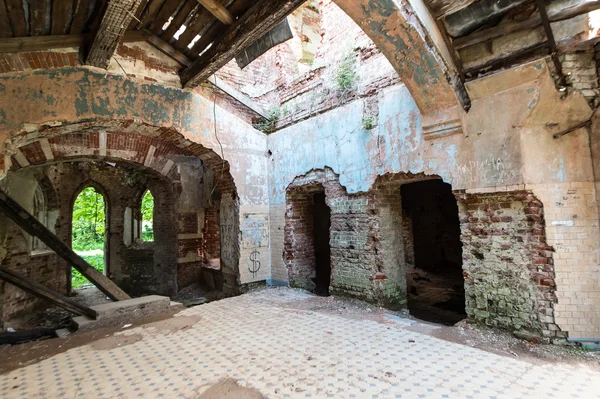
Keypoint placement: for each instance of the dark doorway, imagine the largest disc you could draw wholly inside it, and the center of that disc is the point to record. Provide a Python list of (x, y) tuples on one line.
[(433, 252), (321, 226)]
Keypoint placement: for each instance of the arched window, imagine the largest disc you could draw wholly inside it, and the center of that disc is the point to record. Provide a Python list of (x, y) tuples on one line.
[(147, 211), (89, 231)]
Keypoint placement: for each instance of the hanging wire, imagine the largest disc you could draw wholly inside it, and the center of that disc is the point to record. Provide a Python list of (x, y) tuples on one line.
[(217, 136)]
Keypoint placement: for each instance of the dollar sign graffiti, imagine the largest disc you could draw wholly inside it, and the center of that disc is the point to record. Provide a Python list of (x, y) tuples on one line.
[(255, 263)]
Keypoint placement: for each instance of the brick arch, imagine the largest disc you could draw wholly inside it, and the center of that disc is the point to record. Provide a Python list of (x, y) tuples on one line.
[(427, 71), (130, 141), (136, 143)]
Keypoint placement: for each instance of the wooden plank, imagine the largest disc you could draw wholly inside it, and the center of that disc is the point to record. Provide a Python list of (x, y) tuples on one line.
[(257, 21), (37, 289), (166, 48), (37, 17), (33, 227), (216, 29), (21, 337), (18, 44), (508, 60), (138, 15), (163, 15), (16, 16), (60, 16), (80, 16), (179, 20), (197, 25), (551, 43), (533, 22), (150, 12), (5, 30), (441, 8), (218, 10), (170, 51), (97, 16), (117, 17)]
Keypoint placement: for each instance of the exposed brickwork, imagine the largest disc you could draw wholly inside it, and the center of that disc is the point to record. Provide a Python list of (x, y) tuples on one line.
[(25, 61), (580, 68), (300, 78), (508, 265), (133, 147), (46, 269), (212, 233), (364, 242), (136, 53)]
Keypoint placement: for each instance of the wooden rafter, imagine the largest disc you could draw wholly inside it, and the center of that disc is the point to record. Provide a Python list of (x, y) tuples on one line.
[(16, 16), (533, 22), (441, 8), (196, 26), (37, 17), (60, 17), (215, 29), (179, 19), (218, 10), (551, 42), (163, 15), (18, 44), (39, 290), (5, 30), (115, 21), (32, 226), (80, 16), (258, 20)]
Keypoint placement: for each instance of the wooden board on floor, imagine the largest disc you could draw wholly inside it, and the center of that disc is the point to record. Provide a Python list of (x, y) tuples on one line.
[(32, 226), (37, 289)]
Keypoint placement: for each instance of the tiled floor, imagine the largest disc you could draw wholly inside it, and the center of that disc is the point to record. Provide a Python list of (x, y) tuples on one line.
[(286, 352)]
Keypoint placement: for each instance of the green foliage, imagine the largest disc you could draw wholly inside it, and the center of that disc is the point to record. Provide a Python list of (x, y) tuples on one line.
[(346, 75), (368, 122), (148, 217), (77, 280), (268, 125), (88, 231), (88, 220)]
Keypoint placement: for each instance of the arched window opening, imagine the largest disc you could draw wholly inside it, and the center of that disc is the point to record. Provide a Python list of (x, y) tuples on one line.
[(89, 232), (147, 217)]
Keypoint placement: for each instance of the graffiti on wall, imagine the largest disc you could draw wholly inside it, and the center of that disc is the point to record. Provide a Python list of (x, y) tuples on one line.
[(255, 231), (492, 170)]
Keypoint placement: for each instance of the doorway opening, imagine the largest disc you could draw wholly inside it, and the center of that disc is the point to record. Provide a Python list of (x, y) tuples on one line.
[(433, 252), (307, 239), (88, 232), (321, 226)]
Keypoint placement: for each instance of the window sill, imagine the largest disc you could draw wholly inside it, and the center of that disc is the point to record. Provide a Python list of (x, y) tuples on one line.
[(42, 252)]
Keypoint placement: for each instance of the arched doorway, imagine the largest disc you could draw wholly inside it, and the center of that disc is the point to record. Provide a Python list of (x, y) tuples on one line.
[(89, 231)]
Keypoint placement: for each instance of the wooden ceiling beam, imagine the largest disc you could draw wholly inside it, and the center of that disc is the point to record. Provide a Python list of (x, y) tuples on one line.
[(531, 23), (40, 43), (5, 30), (441, 8), (258, 20), (215, 29), (115, 21), (16, 16), (218, 10)]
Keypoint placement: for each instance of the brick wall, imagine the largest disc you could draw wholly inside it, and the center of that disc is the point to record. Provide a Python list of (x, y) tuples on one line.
[(571, 222), (580, 69), (366, 250), (300, 78), (507, 262)]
